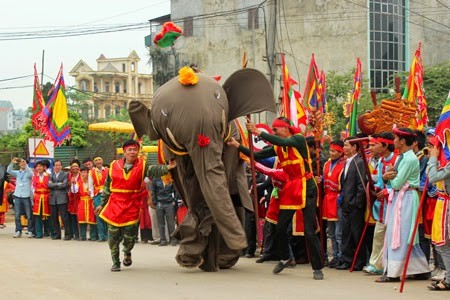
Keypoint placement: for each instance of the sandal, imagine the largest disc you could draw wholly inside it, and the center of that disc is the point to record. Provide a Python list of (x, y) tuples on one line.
[(439, 286), (385, 279)]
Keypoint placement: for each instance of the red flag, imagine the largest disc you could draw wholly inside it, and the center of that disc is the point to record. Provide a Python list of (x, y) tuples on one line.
[(292, 107), (38, 118), (414, 90), (57, 113), (311, 93)]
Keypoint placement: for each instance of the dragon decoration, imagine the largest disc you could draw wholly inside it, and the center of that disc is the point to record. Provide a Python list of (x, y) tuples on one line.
[(397, 112)]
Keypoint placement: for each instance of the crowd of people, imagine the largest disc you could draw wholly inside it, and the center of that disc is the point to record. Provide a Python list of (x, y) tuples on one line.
[(47, 199), (371, 189), (363, 200)]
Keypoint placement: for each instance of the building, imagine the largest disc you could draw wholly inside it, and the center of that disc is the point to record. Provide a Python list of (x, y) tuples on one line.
[(383, 33), (109, 88), (6, 116)]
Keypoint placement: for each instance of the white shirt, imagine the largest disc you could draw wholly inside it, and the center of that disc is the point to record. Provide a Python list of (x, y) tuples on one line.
[(347, 164)]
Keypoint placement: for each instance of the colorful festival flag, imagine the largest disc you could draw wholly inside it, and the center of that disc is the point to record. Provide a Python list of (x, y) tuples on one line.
[(168, 35), (357, 79), (57, 114), (292, 107), (414, 90), (38, 119), (311, 94), (443, 131)]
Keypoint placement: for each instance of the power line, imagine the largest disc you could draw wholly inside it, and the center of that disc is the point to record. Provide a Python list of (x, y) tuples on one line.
[(15, 87), (444, 5), (14, 78)]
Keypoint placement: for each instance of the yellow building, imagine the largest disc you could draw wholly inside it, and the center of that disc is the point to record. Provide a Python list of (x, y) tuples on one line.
[(109, 88)]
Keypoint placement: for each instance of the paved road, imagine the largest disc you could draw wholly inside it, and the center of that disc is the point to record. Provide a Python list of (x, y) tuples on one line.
[(46, 269)]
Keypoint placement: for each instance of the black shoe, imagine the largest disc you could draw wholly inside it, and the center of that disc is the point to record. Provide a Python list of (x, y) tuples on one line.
[(56, 237), (333, 263), (67, 238), (344, 266), (358, 268), (249, 255), (115, 268), (127, 260), (318, 274), (163, 243), (263, 259), (280, 266)]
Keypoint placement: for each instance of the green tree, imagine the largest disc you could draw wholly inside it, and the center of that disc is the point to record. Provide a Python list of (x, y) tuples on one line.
[(163, 64), (436, 84)]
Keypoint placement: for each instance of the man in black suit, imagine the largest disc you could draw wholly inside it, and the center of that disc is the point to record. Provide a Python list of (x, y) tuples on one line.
[(352, 204), (59, 200)]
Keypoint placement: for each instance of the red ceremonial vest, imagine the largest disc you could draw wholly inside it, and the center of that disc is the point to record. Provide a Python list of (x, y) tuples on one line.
[(85, 211), (332, 189), (293, 195), (41, 205), (123, 207), (99, 179)]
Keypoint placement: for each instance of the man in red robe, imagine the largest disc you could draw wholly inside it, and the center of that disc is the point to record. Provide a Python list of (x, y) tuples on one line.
[(120, 207)]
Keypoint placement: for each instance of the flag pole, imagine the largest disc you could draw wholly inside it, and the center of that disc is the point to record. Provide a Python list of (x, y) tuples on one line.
[(252, 169)]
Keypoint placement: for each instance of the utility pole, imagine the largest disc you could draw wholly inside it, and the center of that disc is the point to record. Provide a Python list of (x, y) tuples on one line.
[(271, 40), (271, 59), (42, 70)]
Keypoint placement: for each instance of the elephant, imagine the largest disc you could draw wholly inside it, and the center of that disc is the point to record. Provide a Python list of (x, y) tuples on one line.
[(193, 121)]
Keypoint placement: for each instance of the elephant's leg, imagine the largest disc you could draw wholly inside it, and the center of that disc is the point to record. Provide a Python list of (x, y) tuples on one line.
[(227, 258), (193, 232), (211, 176), (210, 254)]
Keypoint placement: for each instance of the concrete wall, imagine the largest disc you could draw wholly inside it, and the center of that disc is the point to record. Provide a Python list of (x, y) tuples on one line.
[(429, 23)]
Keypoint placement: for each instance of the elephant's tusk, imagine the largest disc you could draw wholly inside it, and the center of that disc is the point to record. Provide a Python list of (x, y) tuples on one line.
[(172, 138)]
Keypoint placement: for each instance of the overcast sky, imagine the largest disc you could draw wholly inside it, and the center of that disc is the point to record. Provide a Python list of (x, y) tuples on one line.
[(20, 17)]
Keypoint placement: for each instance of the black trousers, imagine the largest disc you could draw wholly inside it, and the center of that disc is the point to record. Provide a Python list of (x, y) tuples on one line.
[(309, 222), (62, 210), (352, 228)]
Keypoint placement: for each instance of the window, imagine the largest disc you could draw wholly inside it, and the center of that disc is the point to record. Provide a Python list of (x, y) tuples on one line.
[(95, 87), (106, 87), (387, 41), (132, 67), (123, 68), (125, 86), (117, 87), (139, 88), (253, 18), (96, 112), (188, 26), (117, 110), (107, 111), (83, 84)]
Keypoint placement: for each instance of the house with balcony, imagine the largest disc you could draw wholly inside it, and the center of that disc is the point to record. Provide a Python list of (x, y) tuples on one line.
[(109, 88)]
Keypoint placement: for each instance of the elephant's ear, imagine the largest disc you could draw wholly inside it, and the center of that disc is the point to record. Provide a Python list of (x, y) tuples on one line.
[(140, 117), (248, 91)]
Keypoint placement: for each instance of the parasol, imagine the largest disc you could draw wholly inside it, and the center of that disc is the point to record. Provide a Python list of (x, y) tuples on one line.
[(112, 126)]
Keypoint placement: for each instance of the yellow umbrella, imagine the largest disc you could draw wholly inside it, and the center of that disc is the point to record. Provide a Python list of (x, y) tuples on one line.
[(112, 126)]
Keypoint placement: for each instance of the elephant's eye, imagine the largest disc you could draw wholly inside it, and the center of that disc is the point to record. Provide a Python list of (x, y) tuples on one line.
[(217, 95)]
